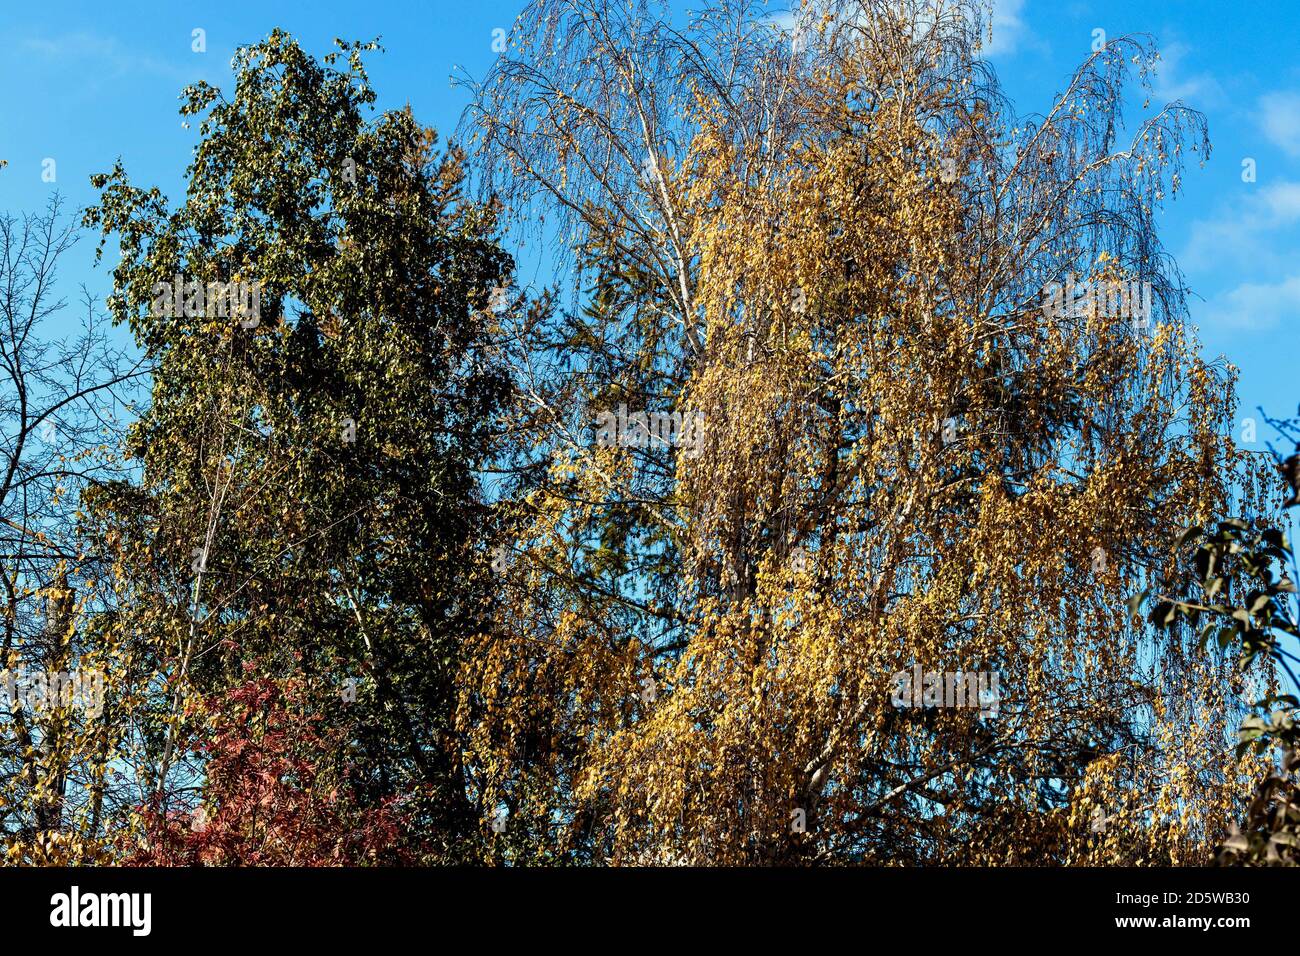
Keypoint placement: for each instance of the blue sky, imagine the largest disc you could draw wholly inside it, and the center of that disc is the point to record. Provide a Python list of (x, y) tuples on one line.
[(86, 82), (1236, 241)]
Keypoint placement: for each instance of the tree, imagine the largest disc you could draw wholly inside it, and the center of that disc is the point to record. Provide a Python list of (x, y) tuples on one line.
[(1246, 573), (846, 252), (315, 311), (65, 386), (277, 803)]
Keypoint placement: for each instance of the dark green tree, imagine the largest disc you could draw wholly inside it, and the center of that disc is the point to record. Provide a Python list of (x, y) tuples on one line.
[(317, 312)]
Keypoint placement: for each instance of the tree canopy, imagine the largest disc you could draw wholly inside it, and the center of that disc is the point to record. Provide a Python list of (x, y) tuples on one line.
[(822, 507)]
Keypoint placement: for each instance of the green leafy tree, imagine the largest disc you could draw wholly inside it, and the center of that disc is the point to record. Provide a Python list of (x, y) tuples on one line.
[(315, 311)]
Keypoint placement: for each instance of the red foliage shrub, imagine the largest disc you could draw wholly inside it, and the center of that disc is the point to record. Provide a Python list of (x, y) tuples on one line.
[(275, 793)]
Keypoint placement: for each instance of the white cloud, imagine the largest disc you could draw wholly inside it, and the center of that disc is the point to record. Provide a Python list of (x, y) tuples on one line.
[(112, 58), (1253, 306), (1009, 29), (1246, 234), (1279, 115), (783, 20), (1171, 81)]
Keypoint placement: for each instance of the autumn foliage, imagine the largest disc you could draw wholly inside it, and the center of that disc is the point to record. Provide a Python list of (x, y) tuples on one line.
[(374, 580), (276, 792)]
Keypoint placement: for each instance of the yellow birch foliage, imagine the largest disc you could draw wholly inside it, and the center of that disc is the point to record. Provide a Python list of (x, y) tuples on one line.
[(912, 458)]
